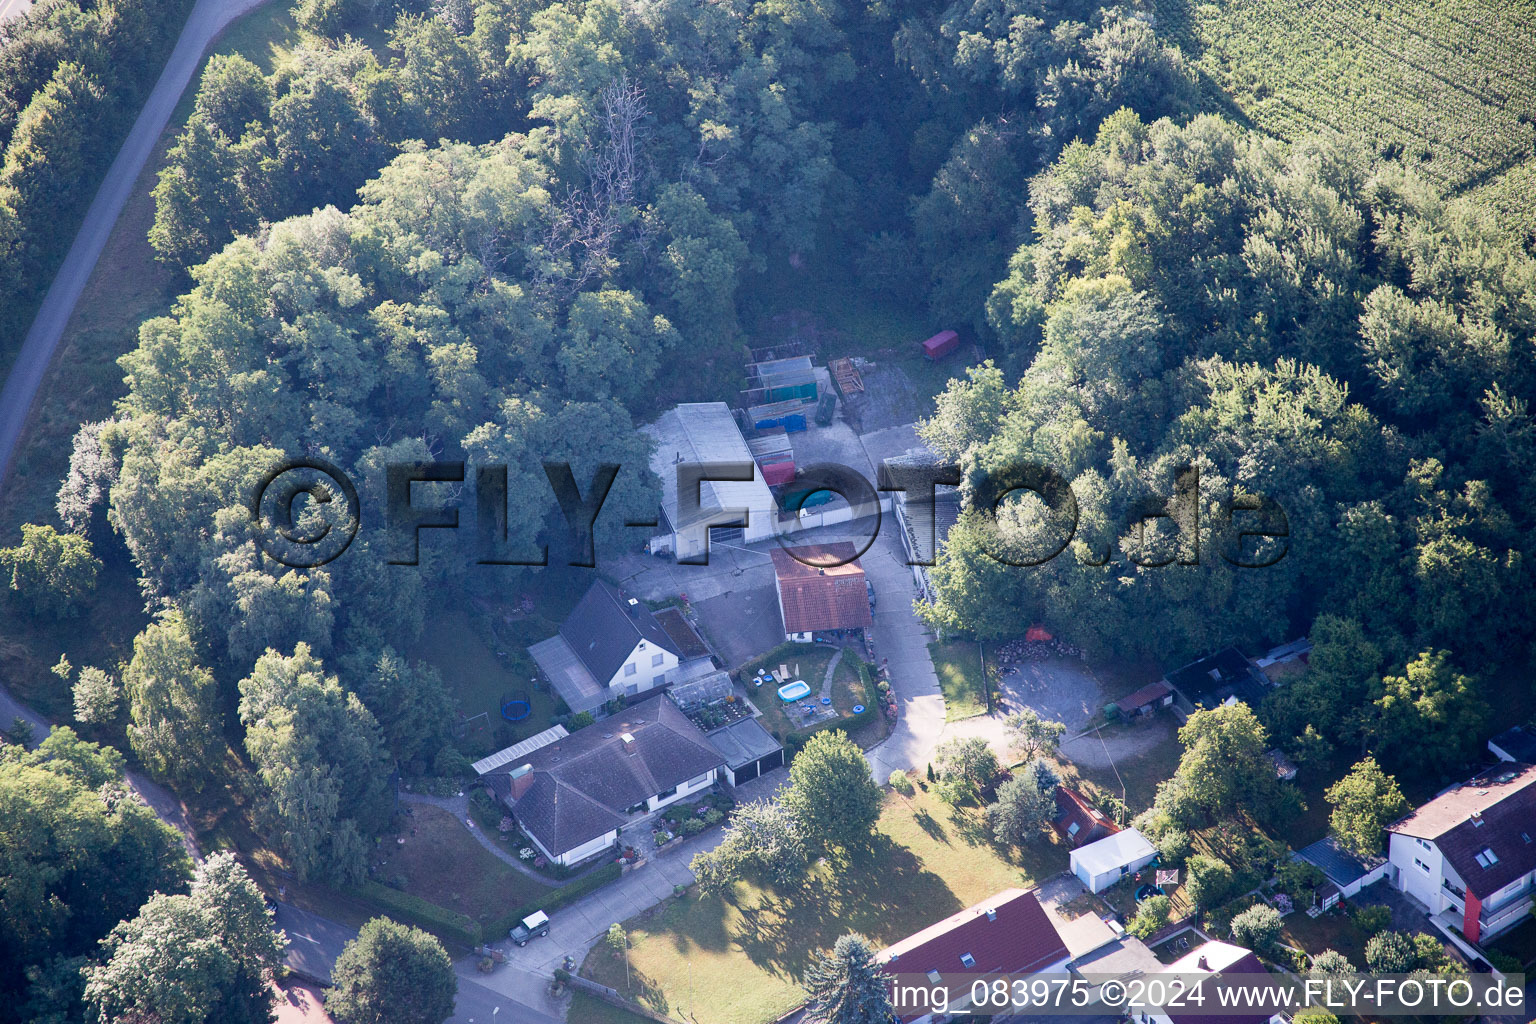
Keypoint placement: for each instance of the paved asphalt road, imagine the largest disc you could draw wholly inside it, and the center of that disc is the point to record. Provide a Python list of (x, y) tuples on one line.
[(208, 18), (11, 8)]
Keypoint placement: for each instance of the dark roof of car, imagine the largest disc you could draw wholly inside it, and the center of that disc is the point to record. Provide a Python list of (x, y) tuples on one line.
[(584, 784), (1494, 810), (604, 628)]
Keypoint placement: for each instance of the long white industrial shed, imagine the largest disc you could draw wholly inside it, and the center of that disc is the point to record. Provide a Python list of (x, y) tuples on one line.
[(706, 432)]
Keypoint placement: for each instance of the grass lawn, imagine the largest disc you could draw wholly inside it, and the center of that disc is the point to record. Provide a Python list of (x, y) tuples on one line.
[(1328, 931), (457, 645), (808, 662), (443, 864), (958, 664), (1139, 774), (739, 958), (588, 1009)]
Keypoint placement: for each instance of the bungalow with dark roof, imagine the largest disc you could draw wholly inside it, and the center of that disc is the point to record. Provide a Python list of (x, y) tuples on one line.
[(1009, 933), (821, 589), (609, 646), (573, 794), (1470, 853)]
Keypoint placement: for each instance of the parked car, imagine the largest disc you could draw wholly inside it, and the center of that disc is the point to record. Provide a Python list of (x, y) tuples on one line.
[(871, 588), (534, 926)]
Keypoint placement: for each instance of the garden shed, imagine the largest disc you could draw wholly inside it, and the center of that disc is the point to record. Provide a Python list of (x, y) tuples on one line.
[(1105, 862)]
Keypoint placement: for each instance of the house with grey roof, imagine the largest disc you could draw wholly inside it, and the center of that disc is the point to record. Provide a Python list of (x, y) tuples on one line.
[(574, 794), (609, 646), (738, 511)]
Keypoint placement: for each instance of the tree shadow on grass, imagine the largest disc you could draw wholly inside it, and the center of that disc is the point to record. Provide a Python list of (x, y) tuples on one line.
[(971, 825), (883, 892), (931, 825)]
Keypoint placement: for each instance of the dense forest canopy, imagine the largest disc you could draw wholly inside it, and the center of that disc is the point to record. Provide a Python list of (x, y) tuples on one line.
[(510, 231)]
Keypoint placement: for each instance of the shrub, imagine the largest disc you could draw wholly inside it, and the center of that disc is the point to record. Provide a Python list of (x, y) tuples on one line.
[(1373, 919), (1504, 963), (713, 816), (1391, 953), (1150, 916), (1173, 846), (900, 783), (1209, 881), (693, 826), (1331, 962), (1257, 928), (581, 720)]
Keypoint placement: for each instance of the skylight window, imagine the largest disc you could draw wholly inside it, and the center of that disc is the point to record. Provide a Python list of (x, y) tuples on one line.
[(967, 960), (1487, 858)]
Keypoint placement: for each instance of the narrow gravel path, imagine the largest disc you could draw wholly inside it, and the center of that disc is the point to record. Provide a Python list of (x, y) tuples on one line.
[(207, 20), (826, 682)]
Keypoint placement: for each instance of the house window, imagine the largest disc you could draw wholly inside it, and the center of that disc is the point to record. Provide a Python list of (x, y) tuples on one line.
[(1423, 843), (967, 960), (656, 659), (629, 669), (1422, 865), (666, 793)]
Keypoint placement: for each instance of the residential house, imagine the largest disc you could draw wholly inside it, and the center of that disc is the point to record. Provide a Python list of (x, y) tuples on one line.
[(1101, 864), (1204, 969), (1146, 700), (822, 596), (1346, 872), (924, 524), (740, 511), (1469, 855), (1078, 821), (1221, 678), (609, 646), (574, 794), (1009, 933), (1516, 744)]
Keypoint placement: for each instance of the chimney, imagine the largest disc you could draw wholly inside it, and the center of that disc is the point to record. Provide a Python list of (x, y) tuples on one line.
[(629, 742), (1203, 963), (634, 608), (992, 914), (522, 780)]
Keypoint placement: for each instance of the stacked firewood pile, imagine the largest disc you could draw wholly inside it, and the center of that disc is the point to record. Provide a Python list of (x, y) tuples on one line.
[(1015, 651)]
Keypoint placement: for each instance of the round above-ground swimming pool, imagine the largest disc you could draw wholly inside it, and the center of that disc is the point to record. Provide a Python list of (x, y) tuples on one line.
[(794, 691)]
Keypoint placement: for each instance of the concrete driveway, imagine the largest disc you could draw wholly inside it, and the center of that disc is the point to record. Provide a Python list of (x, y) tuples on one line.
[(901, 640)]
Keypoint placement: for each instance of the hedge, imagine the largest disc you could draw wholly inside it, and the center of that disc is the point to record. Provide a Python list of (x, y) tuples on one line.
[(424, 914), (555, 899)]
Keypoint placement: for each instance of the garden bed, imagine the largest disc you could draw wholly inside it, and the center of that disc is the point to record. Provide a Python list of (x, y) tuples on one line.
[(685, 820)]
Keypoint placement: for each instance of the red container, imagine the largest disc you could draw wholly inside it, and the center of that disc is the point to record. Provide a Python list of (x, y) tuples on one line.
[(777, 472), (941, 345)]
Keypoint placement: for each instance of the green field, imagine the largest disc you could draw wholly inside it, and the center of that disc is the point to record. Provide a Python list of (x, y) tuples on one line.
[(1447, 84), (958, 665), (739, 959)]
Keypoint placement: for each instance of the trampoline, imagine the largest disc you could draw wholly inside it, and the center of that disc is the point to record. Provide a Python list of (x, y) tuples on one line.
[(516, 709), (1149, 890)]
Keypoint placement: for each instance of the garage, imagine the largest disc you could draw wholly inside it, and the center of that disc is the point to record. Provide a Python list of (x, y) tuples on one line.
[(748, 749)]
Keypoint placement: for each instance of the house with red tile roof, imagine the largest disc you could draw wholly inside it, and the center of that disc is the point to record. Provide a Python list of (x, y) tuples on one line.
[(1009, 933), (821, 589), (1078, 821), (1469, 855)]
